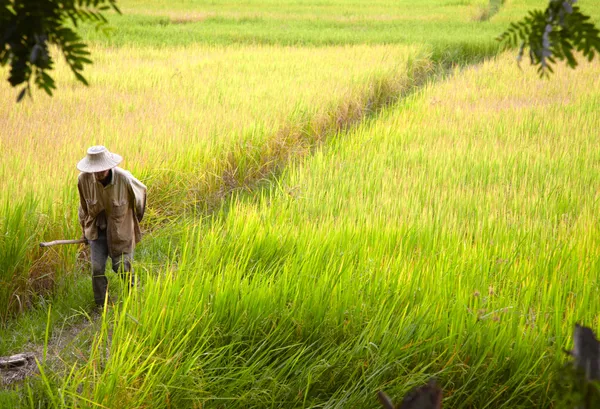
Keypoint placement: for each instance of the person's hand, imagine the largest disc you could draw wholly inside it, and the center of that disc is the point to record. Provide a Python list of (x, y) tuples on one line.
[(85, 241)]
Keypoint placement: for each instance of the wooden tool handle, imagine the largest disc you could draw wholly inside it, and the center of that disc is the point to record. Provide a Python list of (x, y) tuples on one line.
[(55, 242)]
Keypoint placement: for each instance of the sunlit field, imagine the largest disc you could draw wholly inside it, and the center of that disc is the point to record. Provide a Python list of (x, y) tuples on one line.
[(182, 119), (199, 118), (461, 243), (179, 110), (342, 199), (441, 24)]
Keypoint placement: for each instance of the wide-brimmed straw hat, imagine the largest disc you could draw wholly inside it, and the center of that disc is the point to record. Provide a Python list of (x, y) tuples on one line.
[(98, 159)]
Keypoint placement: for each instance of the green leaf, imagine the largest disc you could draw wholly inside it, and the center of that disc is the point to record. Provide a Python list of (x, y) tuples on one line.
[(81, 78), (21, 94), (48, 80)]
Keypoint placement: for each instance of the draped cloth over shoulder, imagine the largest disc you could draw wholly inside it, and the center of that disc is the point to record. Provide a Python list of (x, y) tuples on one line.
[(117, 207)]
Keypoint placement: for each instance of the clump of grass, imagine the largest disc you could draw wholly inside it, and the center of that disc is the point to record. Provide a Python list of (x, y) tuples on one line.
[(26, 271), (17, 233)]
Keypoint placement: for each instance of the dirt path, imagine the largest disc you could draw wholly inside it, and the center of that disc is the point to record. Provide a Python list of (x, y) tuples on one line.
[(66, 344)]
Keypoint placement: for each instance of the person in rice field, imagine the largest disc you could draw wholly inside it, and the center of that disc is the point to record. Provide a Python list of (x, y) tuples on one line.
[(111, 206)]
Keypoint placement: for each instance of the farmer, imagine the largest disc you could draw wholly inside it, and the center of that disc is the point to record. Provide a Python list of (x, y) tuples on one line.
[(112, 203)]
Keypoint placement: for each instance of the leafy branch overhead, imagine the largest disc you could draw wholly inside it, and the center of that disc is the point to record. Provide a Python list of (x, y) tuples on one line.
[(556, 33), (29, 27)]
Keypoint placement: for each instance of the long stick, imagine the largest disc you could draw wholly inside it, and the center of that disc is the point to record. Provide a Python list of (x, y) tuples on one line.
[(55, 242)]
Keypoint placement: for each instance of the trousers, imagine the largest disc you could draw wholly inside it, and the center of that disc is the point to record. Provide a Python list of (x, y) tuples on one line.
[(121, 265)]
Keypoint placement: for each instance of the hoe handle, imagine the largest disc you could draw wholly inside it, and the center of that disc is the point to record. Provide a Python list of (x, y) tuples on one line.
[(55, 242)]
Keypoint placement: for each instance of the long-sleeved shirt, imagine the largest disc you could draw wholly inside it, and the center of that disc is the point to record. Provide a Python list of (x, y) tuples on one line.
[(117, 207)]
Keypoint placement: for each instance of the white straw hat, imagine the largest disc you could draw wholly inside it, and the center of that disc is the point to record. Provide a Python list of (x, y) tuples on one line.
[(98, 159)]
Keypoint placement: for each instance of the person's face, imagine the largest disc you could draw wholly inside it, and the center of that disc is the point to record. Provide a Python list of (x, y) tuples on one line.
[(101, 175)]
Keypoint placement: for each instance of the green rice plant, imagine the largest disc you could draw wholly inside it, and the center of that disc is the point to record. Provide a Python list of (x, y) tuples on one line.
[(197, 157), (453, 235), (461, 244), (212, 154), (17, 230)]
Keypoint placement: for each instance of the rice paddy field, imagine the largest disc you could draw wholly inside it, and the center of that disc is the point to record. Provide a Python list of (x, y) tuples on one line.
[(343, 198)]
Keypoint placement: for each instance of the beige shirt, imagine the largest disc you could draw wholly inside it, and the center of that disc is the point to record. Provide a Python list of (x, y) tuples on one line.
[(118, 208)]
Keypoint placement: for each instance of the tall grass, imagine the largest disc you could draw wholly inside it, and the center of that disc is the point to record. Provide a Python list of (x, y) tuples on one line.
[(180, 119), (178, 116), (454, 235), (191, 142), (462, 243), (17, 229)]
